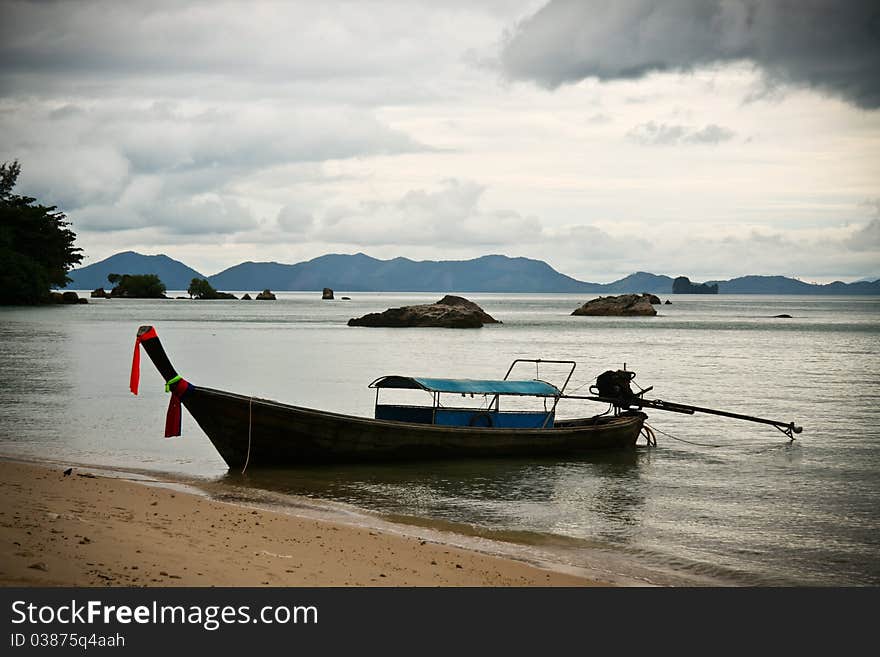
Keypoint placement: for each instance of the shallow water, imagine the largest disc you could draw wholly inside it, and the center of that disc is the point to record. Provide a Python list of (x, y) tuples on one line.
[(736, 504)]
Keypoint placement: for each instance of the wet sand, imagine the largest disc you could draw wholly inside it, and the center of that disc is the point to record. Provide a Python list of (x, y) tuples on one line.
[(86, 529)]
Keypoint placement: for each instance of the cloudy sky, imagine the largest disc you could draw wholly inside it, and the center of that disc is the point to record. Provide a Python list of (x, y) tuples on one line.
[(697, 137)]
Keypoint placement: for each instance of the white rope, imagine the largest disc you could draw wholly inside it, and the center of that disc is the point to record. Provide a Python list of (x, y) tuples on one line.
[(250, 415), (682, 440)]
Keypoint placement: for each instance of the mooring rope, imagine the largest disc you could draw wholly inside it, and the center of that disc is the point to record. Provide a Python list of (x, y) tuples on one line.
[(250, 415), (669, 435), (585, 383)]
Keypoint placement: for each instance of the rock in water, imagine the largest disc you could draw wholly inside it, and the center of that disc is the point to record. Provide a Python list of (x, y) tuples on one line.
[(653, 298), (246, 297), (327, 293), (668, 302), (100, 293), (265, 295), (470, 306), (449, 312), (623, 305)]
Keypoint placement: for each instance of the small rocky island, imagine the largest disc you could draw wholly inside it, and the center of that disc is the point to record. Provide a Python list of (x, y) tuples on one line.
[(66, 297), (449, 312), (625, 305), (683, 285), (200, 288)]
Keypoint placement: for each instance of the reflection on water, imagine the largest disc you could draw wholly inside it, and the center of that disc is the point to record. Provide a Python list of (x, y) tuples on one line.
[(34, 380), (516, 494), (735, 504)]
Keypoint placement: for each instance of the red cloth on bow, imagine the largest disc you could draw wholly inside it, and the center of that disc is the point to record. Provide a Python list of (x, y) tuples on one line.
[(178, 389), (135, 377), (172, 418)]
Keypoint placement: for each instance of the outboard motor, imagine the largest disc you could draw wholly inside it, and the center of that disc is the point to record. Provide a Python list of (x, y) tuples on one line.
[(614, 384), (615, 387)]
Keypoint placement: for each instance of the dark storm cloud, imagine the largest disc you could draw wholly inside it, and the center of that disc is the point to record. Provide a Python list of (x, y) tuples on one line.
[(368, 50), (829, 45)]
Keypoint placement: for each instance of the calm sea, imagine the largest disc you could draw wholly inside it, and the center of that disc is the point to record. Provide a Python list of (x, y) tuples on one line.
[(718, 501)]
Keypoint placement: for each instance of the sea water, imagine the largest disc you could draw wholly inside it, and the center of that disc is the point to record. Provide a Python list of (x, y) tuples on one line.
[(717, 501)]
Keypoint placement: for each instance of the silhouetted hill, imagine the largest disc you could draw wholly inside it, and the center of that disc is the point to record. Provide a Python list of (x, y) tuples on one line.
[(492, 273), (639, 282), (362, 273), (359, 272), (174, 274), (784, 285)]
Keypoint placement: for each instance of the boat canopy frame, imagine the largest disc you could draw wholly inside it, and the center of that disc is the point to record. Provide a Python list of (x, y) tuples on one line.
[(496, 387), (524, 388)]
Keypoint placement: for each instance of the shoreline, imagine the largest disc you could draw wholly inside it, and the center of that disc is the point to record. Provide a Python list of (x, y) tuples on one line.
[(95, 527)]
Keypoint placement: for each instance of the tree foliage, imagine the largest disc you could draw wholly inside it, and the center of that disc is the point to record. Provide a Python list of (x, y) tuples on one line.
[(199, 288), (36, 244), (137, 286)]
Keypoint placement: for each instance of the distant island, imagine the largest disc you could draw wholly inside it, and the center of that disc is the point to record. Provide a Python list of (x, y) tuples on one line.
[(491, 273), (683, 285), (135, 286)]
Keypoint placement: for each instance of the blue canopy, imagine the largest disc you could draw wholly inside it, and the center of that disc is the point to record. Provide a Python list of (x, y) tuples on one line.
[(532, 388)]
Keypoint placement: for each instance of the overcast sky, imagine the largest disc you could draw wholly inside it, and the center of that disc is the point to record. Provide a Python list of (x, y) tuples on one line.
[(706, 138)]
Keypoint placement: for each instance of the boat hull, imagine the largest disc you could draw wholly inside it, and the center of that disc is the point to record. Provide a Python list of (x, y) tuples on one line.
[(262, 433)]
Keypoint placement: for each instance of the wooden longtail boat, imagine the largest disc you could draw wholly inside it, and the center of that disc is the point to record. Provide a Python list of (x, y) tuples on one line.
[(247, 431)]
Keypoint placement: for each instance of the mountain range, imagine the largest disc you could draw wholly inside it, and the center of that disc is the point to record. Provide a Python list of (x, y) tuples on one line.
[(174, 274), (361, 273)]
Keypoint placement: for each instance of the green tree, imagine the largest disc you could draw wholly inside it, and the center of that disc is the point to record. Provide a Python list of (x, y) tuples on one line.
[(36, 244), (138, 286), (200, 288)]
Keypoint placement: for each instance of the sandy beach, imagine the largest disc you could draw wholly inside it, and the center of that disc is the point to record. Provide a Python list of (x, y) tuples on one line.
[(85, 529)]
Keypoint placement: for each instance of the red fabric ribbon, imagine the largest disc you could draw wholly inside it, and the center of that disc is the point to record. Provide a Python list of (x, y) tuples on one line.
[(172, 418), (135, 377)]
